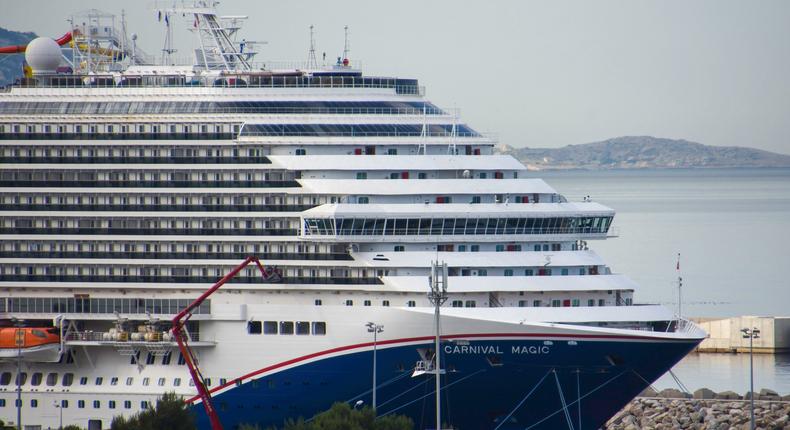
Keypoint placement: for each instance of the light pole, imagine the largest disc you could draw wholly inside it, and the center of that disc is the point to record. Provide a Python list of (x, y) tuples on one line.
[(375, 329), (19, 339), (59, 406), (751, 334)]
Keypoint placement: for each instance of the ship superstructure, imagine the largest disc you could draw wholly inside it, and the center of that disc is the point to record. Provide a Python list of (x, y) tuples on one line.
[(128, 188)]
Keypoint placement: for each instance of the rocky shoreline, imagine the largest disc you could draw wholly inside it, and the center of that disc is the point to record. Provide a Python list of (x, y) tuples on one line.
[(703, 410)]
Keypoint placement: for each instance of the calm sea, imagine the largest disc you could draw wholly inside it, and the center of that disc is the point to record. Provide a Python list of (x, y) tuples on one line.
[(732, 229)]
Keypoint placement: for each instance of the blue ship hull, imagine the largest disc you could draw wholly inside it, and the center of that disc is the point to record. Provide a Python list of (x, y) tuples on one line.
[(489, 384)]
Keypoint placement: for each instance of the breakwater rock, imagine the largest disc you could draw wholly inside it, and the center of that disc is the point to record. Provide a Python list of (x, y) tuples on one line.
[(703, 410)]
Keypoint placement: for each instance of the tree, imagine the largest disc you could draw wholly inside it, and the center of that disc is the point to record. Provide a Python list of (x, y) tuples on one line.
[(171, 412), (342, 417)]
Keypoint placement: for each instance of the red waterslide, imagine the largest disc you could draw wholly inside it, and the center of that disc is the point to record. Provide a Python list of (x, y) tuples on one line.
[(18, 49)]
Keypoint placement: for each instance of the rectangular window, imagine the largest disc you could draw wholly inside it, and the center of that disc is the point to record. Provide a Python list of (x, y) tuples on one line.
[(471, 304), (302, 328), (385, 303), (362, 175), (270, 327), (96, 404), (319, 328), (411, 303), (556, 303), (286, 327), (591, 302), (254, 327), (575, 303)]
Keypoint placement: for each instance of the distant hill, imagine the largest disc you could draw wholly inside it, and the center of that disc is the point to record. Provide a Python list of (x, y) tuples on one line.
[(11, 65), (635, 152)]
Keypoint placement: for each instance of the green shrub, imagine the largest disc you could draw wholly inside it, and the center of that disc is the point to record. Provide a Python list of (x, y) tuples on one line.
[(170, 412)]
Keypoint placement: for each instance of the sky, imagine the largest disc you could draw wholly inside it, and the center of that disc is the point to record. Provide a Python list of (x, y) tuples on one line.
[(533, 73)]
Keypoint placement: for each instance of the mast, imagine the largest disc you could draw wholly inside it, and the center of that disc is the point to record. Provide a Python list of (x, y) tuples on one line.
[(311, 61), (680, 289), (437, 296), (346, 48)]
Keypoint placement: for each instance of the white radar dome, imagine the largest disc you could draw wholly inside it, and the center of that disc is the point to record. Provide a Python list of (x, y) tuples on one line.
[(43, 55)]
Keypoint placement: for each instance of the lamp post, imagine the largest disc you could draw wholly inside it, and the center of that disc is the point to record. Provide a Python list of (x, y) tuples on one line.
[(375, 329), (19, 339), (59, 406), (751, 334)]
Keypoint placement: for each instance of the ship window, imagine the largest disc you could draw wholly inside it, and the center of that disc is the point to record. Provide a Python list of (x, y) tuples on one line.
[(99, 380), (319, 328), (254, 327), (556, 303), (318, 302), (564, 272), (146, 381), (161, 382), (177, 382), (508, 272), (34, 403), (81, 404), (127, 404), (458, 303), (36, 379), (349, 303), (84, 380), (591, 302), (471, 304), (114, 380), (362, 175), (21, 378), (52, 379), (96, 404), (536, 303), (366, 303), (302, 328), (64, 403), (522, 303), (528, 272), (111, 404), (385, 303), (575, 302), (2, 403), (68, 379), (129, 380), (270, 327), (5, 378), (411, 303), (422, 175), (286, 327), (601, 302), (399, 248), (144, 404)]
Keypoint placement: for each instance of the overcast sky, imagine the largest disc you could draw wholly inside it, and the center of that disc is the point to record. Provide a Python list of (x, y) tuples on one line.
[(537, 73)]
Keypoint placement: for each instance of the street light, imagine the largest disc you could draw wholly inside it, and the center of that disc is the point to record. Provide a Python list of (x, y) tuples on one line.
[(59, 405), (751, 334), (19, 339), (375, 329)]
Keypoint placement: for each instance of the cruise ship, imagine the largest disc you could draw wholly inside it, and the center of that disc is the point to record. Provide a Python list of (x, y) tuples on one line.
[(130, 184)]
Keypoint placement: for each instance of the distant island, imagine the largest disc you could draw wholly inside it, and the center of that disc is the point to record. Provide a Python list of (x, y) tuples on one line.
[(643, 152)]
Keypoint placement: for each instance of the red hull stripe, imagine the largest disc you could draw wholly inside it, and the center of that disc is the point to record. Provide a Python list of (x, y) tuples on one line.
[(421, 339)]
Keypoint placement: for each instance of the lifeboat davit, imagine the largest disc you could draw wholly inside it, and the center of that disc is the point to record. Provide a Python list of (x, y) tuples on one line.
[(35, 343)]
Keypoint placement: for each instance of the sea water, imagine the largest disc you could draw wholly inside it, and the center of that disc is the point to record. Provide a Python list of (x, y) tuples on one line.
[(731, 228)]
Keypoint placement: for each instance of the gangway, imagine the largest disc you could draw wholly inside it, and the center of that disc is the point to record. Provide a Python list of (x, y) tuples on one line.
[(182, 337)]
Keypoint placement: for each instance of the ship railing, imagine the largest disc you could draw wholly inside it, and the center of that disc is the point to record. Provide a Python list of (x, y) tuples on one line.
[(107, 337), (100, 110), (688, 327), (359, 134)]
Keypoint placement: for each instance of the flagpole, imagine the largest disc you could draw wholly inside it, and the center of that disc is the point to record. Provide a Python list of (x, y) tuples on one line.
[(680, 289)]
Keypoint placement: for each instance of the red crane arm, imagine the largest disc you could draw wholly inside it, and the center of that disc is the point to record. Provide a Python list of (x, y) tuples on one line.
[(180, 320)]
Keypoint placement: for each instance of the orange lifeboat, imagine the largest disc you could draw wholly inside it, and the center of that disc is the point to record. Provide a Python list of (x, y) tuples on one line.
[(31, 343)]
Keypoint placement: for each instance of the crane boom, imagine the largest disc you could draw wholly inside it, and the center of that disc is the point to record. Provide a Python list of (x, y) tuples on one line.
[(180, 320)]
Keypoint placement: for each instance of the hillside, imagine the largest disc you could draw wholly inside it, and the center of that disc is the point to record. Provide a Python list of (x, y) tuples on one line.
[(635, 152), (11, 65)]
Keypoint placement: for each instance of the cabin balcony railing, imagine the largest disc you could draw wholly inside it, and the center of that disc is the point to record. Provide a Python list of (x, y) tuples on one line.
[(169, 279), (150, 184), (154, 231), (178, 255), (134, 160), (157, 208), (367, 111)]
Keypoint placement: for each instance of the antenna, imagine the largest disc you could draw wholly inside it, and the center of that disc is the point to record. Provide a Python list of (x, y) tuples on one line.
[(437, 296), (311, 62), (346, 48)]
